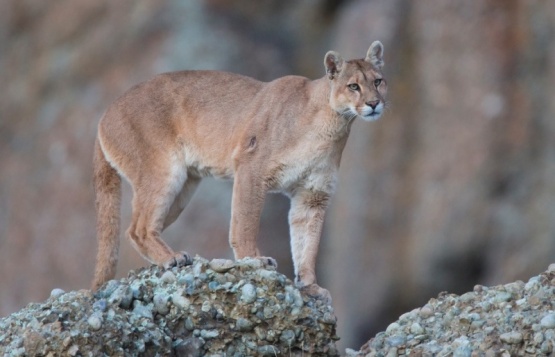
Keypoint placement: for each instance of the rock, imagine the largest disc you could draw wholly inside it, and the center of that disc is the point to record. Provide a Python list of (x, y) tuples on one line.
[(396, 340), (221, 265), (244, 325), (250, 263), (515, 319), (122, 296), (206, 306), (288, 337), (546, 347), (180, 301), (426, 311), (462, 351), (268, 350), (190, 347), (95, 322), (141, 310), (168, 277), (538, 338), (56, 293), (160, 301), (73, 350), (392, 327), (248, 293), (214, 285), (548, 321), (512, 338), (329, 318), (208, 334), (109, 288), (502, 296), (189, 324), (294, 296), (416, 329), (100, 305), (177, 314)]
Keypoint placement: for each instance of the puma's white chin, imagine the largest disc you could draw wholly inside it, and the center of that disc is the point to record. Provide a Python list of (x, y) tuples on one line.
[(372, 116), (369, 113)]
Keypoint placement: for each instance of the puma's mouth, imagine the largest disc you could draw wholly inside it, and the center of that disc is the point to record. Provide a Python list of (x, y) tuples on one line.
[(374, 115), (369, 114), (366, 113)]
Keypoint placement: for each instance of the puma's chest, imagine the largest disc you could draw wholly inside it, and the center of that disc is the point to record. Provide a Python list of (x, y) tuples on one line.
[(316, 173)]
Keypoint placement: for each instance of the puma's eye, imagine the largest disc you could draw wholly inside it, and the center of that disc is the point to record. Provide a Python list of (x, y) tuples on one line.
[(354, 86), (377, 82)]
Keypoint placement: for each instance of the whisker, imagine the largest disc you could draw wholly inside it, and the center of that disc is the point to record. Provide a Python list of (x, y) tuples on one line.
[(349, 114)]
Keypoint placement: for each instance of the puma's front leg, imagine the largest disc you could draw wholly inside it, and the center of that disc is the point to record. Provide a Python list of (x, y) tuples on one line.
[(246, 206), (306, 219)]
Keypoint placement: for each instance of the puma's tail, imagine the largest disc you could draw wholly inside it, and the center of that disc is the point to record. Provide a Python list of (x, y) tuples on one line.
[(107, 186)]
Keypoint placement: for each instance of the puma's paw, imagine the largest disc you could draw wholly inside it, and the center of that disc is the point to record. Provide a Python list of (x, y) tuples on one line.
[(179, 259), (268, 262), (315, 291)]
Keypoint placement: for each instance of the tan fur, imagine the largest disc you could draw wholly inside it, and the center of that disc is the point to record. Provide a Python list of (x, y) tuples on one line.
[(285, 136)]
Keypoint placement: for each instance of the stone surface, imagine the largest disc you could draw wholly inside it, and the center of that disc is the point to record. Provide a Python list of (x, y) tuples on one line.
[(485, 322), (245, 317)]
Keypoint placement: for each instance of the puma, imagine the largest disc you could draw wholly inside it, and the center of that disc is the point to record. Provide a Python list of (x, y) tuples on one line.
[(164, 135)]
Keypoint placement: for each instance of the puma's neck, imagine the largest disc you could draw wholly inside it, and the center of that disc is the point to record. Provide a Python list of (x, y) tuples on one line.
[(333, 124), (320, 91)]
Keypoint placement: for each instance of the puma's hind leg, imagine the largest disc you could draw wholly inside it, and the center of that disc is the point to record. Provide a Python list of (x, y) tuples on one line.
[(157, 202), (181, 200)]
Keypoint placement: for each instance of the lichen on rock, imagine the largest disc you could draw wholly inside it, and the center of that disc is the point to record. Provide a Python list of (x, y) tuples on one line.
[(220, 307)]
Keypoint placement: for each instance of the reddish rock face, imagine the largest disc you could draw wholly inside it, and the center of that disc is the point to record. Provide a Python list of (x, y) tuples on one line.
[(454, 186)]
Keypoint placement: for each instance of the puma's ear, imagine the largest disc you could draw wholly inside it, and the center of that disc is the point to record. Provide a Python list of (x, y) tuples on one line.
[(375, 54), (333, 63)]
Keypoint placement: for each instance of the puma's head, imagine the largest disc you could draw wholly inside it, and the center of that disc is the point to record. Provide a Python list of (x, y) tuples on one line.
[(358, 88)]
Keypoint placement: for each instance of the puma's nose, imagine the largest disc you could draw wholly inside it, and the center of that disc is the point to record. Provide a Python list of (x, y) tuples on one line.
[(373, 103)]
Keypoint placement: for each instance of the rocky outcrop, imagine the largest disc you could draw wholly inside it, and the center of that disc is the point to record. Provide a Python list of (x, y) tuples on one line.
[(221, 307), (516, 319), (217, 307)]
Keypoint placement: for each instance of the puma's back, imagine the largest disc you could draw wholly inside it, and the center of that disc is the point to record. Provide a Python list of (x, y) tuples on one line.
[(194, 108)]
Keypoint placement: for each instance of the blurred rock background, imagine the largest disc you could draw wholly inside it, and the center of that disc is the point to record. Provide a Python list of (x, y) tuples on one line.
[(454, 187)]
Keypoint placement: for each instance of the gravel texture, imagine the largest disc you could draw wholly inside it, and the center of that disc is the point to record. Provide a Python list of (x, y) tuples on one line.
[(517, 319), (244, 308), (218, 308)]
